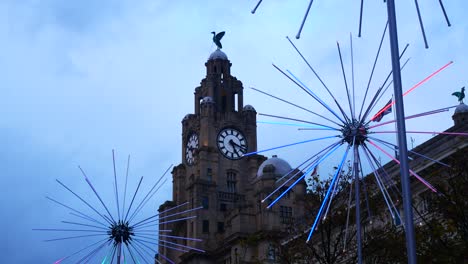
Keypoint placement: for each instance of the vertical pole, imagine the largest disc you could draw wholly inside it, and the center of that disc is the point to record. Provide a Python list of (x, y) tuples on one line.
[(402, 146), (358, 205)]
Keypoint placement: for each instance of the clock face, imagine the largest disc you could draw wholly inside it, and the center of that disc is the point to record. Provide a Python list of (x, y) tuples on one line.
[(191, 148), (232, 143)]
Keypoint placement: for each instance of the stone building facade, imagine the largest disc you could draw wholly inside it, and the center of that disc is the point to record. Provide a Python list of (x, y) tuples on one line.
[(233, 224)]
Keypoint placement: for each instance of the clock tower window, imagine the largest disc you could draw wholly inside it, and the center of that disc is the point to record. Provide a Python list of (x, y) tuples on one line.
[(231, 181)]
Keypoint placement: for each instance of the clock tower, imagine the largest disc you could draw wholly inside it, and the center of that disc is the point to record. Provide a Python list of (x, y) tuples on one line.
[(213, 173)]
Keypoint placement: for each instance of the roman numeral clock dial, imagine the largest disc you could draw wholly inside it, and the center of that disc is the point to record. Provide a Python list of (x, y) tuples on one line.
[(232, 143), (191, 148)]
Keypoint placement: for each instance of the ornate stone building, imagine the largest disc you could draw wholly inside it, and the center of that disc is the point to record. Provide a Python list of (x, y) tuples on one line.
[(233, 224)]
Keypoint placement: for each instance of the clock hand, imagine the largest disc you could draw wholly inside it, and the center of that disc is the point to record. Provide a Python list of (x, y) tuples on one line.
[(235, 144)]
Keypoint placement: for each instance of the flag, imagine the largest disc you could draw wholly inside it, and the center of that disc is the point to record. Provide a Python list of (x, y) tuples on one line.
[(382, 112)]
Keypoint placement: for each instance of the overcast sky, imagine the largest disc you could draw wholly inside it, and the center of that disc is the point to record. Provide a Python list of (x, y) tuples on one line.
[(80, 78)]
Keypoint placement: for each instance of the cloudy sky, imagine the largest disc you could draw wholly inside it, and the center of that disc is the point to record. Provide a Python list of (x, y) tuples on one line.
[(80, 78)]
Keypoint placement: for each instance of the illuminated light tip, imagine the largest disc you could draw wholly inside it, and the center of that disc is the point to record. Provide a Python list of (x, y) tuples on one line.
[(59, 261)]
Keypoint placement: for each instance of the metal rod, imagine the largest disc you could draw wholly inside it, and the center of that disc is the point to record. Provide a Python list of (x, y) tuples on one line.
[(445, 13), (421, 24), (125, 188), (352, 73), (358, 206), (288, 145), (345, 81), (116, 187), (327, 195), (400, 116), (360, 18), (131, 203), (304, 20), (256, 6), (300, 107), (373, 68)]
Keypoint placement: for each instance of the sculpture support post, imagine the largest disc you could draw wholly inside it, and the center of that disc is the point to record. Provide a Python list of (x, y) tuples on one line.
[(358, 205), (402, 146)]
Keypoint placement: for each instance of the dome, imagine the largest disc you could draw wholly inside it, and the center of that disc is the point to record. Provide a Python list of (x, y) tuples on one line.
[(186, 117), (281, 167), (218, 55), (461, 108), (249, 108), (207, 100)]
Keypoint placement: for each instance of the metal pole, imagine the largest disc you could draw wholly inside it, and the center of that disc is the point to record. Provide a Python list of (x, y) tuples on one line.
[(358, 206), (402, 146)]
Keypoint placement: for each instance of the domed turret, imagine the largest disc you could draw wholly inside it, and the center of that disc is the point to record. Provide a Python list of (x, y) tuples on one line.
[(460, 116), (218, 55), (249, 108), (273, 167)]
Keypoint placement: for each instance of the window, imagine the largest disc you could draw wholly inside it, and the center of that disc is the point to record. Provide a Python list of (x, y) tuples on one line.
[(223, 207), (206, 226), (231, 182), (209, 174), (205, 202), (286, 214), (220, 227)]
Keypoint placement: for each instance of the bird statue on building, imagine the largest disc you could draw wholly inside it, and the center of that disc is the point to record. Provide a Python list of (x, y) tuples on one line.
[(460, 95), (217, 38)]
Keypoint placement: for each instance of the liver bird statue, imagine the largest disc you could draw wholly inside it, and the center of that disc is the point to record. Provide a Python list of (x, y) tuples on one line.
[(217, 38), (460, 95)]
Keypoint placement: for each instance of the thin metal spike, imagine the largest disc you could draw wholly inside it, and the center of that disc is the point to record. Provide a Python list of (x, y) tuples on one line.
[(146, 196), (373, 68), (116, 186), (167, 259), (85, 218), (425, 132), (298, 120), (427, 184), (357, 203), (74, 210), (352, 72), (137, 244), (436, 111), (92, 253), (318, 99), (300, 107), (327, 195), (347, 216), (360, 18), (82, 200), (256, 6), (66, 230), (183, 238), (309, 171), (380, 184), (288, 145), (345, 81), (166, 216), (96, 193), (445, 13), (304, 20), (131, 255), (421, 24), (81, 224), (310, 127), (307, 91), (183, 246), (141, 255), (72, 237), (147, 200), (365, 191), (125, 188), (315, 73), (81, 250), (371, 107), (133, 198), (413, 152), (148, 224)]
